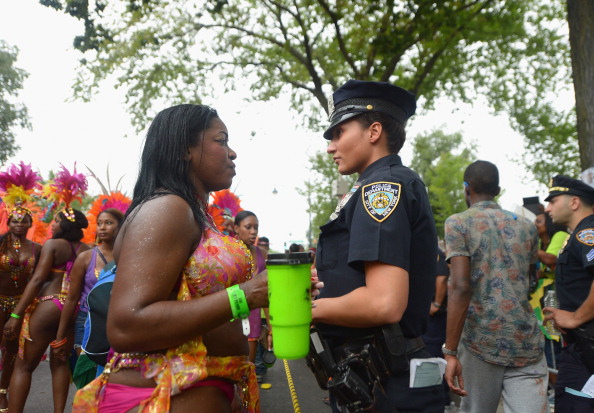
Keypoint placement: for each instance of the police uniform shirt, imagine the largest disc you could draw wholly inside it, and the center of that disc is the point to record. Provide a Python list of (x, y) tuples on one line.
[(388, 219), (573, 274)]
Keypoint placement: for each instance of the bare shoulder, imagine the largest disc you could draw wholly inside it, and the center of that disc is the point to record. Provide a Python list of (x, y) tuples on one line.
[(167, 218), (85, 255)]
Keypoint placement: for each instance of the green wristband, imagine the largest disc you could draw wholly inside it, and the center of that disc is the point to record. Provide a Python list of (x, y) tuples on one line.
[(13, 315), (238, 302)]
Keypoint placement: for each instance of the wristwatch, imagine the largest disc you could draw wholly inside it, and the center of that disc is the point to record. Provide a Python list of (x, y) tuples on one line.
[(447, 351)]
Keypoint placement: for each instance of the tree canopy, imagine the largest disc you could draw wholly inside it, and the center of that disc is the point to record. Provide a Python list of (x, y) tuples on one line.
[(322, 192), (12, 113), (441, 159), (514, 53)]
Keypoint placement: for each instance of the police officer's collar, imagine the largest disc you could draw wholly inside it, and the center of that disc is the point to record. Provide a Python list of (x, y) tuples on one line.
[(386, 160)]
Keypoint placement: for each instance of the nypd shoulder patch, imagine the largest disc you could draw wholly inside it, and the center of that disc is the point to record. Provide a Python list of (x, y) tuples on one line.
[(380, 199), (586, 236)]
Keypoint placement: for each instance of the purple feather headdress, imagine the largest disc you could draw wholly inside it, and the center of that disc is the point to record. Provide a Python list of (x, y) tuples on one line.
[(66, 186)]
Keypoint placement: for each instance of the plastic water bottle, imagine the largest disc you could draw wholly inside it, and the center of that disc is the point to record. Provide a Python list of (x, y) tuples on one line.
[(551, 300)]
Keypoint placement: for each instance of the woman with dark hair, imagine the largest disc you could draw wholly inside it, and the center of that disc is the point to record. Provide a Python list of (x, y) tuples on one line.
[(83, 277), (40, 307), (179, 281), (18, 257), (246, 227), (551, 239)]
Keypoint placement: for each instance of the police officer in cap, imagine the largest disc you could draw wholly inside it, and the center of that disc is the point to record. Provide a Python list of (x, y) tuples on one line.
[(376, 256), (570, 204)]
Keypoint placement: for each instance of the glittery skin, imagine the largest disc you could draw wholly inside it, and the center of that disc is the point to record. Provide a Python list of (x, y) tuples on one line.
[(218, 262)]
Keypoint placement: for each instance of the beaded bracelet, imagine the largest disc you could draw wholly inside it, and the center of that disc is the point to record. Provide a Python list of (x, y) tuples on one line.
[(56, 344), (13, 315), (239, 305)]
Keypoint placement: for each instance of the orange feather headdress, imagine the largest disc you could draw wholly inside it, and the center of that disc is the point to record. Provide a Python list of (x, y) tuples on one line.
[(225, 205), (115, 200)]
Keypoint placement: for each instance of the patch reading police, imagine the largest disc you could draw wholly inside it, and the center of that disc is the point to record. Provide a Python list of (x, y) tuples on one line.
[(380, 199), (586, 236)]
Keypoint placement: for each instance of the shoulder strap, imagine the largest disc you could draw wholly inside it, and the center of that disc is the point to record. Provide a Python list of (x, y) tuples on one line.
[(101, 255)]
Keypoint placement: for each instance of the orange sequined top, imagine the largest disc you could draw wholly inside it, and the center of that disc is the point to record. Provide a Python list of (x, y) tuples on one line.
[(218, 262)]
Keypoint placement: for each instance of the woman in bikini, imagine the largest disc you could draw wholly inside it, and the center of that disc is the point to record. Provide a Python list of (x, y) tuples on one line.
[(83, 277), (246, 227), (179, 281), (18, 256), (39, 311)]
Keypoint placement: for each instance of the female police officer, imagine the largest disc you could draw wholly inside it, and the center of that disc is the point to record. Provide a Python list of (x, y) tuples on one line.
[(376, 257)]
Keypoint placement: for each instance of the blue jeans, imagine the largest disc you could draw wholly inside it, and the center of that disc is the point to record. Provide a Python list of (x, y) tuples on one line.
[(79, 328), (261, 368)]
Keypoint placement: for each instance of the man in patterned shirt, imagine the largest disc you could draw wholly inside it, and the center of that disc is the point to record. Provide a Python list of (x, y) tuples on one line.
[(491, 329)]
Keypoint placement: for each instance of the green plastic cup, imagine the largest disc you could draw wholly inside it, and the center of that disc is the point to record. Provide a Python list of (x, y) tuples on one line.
[(289, 296)]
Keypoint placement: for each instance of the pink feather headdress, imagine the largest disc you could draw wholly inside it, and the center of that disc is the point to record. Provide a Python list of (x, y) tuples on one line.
[(65, 188), (17, 186)]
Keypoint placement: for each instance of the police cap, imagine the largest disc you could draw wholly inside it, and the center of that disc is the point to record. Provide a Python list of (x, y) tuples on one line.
[(564, 185), (359, 96)]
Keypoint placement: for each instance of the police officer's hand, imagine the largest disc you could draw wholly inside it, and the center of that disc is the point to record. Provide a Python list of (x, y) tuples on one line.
[(562, 319), (316, 286), (256, 290), (453, 375)]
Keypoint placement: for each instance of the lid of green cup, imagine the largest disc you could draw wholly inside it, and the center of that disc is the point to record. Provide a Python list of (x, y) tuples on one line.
[(291, 258)]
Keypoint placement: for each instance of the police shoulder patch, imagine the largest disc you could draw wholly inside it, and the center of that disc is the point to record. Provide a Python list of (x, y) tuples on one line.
[(380, 199), (586, 236)]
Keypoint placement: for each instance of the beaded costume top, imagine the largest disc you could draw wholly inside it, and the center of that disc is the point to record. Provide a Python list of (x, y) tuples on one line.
[(219, 262)]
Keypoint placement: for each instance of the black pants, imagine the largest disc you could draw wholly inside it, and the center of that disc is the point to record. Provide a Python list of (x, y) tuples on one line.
[(572, 374), (399, 397), (433, 338)]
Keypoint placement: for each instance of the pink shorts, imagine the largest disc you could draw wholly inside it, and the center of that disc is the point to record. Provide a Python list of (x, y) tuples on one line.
[(119, 398)]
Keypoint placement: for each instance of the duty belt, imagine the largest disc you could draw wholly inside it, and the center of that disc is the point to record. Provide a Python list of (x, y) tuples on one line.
[(414, 344)]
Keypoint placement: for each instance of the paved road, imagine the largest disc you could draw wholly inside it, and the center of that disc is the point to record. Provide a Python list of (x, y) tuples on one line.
[(279, 398)]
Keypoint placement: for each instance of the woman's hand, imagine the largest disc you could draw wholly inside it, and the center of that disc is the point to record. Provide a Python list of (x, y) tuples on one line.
[(256, 290), (12, 328), (60, 352)]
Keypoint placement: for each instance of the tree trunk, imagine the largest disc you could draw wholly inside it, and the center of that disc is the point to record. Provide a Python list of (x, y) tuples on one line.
[(580, 15)]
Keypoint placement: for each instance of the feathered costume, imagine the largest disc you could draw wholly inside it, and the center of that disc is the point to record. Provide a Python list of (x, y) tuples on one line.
[(18, 185), (225, 205), (65, 188)]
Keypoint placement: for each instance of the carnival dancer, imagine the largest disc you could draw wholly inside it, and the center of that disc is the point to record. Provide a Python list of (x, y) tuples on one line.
[(84, 275), (18, 257), (175, 347), (41, 303), (246, 227)]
